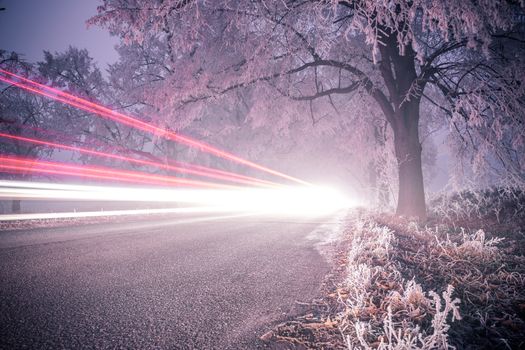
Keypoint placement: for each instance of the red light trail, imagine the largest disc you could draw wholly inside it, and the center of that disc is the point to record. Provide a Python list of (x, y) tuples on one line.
[(202, 172), (58, 95), (56, 134), (21, 164)]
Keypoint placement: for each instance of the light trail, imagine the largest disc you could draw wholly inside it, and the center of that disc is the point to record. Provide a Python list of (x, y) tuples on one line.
[(178, 164), (300, 200), (205, 173), (21, 165), (91, 214), (54, 191), (58, 95)]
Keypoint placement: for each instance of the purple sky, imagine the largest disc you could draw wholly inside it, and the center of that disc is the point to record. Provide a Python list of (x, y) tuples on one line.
[(31, 26)]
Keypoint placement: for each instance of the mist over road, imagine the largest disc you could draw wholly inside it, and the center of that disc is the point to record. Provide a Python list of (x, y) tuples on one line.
[(172, 284)]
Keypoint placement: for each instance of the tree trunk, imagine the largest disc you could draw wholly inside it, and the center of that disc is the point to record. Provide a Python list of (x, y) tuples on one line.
[(16, 206), (411, 198), (379, 183)]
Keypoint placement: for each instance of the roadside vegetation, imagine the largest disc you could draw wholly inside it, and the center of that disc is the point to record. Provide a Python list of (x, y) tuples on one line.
[(457, 281)]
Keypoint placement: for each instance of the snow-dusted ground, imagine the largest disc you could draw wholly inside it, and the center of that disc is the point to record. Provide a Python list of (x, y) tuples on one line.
[(330, 233)]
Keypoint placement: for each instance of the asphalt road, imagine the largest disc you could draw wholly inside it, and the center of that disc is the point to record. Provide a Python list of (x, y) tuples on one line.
[(178, 283)]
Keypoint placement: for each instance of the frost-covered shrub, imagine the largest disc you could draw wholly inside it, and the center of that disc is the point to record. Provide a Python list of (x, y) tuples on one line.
[(477, 245), (382, 310), (403, 335), (501, 204)]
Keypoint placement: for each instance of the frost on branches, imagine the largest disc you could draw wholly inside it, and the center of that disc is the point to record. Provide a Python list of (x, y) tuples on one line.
[(331, 63)]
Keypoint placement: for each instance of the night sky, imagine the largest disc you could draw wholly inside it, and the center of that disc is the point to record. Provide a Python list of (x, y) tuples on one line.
[(31, 26)]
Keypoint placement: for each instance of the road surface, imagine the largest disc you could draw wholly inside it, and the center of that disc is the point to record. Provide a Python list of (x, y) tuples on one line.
[(177, 283)]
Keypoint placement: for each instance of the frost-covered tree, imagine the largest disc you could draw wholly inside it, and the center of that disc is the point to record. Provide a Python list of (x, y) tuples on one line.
[(21, 115), (34, 116), (355, 57), (37, 117), (74, 71)]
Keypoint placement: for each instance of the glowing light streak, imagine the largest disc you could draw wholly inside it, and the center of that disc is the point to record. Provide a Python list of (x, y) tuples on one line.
[(301, 200), (178, 164), (21, 165), (91, 214), (195, 171), (92, 107)]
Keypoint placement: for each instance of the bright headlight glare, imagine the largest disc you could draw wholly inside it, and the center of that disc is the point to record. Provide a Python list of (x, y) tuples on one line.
[(307, 200)]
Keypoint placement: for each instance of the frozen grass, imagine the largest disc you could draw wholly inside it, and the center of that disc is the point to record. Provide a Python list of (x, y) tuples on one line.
[(383, 310), (499, 207), (487, 269), (457, 281)]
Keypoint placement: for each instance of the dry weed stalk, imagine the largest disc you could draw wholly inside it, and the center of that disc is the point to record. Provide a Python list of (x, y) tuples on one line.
[(382, 310)]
